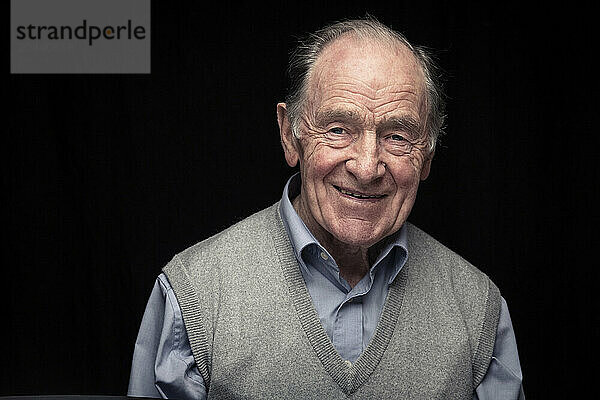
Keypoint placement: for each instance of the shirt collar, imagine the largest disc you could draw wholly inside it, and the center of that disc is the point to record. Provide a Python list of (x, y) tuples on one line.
[(301, 237), (299, 234)]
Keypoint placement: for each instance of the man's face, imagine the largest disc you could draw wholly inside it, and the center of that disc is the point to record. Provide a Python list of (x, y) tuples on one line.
[(362, 147)]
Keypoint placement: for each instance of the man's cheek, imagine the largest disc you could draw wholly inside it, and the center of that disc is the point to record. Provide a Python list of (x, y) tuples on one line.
[(316, 155), (408, 166)]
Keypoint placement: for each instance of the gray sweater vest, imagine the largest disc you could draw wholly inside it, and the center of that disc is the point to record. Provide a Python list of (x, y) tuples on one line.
[(255, 334)]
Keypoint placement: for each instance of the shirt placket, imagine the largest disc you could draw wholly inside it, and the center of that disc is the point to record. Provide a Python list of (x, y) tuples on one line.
[(348, 329)]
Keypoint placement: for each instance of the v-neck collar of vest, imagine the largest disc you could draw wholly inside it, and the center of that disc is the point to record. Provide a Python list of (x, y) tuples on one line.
[(349, 378)]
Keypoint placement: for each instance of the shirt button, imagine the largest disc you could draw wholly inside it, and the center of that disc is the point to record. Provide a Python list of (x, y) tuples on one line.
[(324, 256), (348, 363)]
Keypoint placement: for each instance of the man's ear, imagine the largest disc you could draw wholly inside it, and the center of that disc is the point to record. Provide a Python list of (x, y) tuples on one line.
[(288, 140), (426, 166)]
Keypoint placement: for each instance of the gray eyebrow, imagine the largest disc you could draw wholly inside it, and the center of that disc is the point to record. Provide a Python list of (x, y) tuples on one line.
[(406, 124), (337, 115)]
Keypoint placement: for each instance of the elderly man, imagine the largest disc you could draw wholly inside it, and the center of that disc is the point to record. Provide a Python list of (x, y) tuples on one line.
[(330, 292)]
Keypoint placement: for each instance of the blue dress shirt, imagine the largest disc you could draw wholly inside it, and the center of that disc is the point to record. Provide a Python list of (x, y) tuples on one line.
[(163, 364)]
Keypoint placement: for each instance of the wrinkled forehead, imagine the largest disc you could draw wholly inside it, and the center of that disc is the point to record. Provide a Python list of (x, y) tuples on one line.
[(375, 63)]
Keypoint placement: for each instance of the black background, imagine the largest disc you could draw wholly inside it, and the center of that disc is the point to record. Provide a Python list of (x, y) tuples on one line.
[(106, 177)]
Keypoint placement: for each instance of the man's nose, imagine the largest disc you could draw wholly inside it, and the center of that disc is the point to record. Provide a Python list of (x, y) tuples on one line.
[(365, 162)]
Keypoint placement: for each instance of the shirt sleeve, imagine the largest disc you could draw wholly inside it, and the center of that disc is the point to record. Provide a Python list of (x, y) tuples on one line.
[(163, 365), (503, 380)]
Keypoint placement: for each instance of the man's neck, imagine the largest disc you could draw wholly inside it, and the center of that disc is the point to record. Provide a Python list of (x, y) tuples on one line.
[(353, 261)]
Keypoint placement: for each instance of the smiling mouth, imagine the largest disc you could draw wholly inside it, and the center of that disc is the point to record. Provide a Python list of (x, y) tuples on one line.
[(356, 195)]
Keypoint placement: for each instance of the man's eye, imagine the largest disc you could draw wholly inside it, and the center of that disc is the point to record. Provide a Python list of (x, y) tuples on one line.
[(337, 131), (398, 144)]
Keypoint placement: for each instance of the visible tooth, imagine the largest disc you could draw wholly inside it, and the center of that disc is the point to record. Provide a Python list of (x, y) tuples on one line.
[(360, 196)]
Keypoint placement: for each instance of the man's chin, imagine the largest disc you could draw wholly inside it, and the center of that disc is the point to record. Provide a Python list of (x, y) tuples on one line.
[(358, 235)]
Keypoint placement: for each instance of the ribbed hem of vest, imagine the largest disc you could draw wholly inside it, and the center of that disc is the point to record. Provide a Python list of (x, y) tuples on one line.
[(194, 325), (487, 336)]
